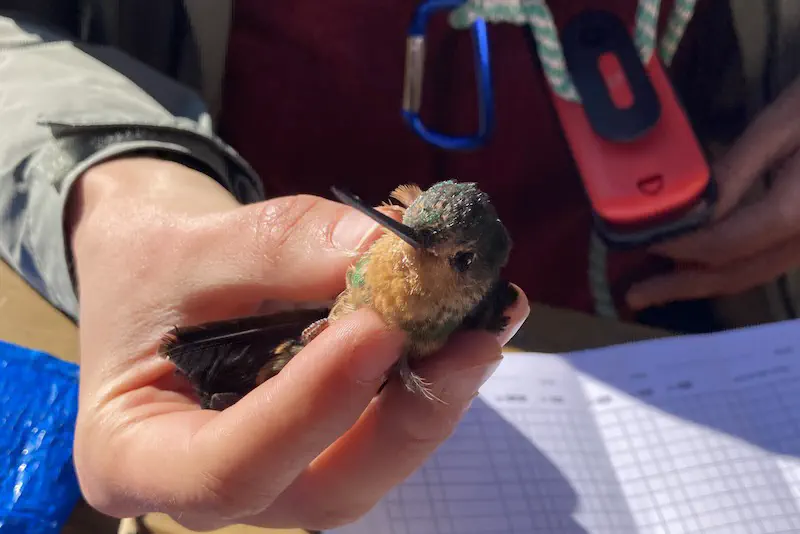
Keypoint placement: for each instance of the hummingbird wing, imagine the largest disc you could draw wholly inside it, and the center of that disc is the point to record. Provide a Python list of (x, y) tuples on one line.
[(489, 314), (227, 359)]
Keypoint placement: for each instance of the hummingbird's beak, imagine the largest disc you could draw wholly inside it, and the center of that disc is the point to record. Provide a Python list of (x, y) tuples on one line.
[(402, 231)]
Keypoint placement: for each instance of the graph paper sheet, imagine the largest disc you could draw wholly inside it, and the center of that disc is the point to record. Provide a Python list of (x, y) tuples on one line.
[(697, 434)]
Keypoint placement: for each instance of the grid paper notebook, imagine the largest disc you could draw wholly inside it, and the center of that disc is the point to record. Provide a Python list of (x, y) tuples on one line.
[(685, 435)]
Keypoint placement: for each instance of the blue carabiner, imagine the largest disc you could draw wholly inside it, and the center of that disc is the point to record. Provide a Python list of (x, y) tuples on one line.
[(414, 75)]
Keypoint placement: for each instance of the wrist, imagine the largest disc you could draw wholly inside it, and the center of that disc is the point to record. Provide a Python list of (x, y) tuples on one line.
[(142, 183), (116, 196)]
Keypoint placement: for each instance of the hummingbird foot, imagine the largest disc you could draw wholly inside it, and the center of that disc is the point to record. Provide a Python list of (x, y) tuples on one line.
[(413, 382), (313, 330)]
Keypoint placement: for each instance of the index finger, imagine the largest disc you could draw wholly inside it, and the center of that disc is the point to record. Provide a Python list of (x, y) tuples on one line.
[(396, 435)]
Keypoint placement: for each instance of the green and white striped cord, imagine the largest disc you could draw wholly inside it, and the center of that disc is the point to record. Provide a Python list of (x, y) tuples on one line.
[(537, 15)]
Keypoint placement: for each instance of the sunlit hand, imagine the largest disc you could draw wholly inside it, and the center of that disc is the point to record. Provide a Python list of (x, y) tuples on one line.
[(746, 244), (158, 245)]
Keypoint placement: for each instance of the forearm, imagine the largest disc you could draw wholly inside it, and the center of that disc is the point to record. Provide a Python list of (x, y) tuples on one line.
[(72, 107)]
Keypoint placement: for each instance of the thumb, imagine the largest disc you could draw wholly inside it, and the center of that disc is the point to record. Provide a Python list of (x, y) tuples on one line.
[(294, 248)]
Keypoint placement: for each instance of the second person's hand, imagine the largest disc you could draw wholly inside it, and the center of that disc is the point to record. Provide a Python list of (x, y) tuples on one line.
[(747, 243)]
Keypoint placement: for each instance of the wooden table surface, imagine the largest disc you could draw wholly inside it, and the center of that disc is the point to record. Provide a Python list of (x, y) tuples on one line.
[(28, 320)]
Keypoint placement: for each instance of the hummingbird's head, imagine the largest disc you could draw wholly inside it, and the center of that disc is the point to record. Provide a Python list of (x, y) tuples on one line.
[(457, 223), (454, 224)]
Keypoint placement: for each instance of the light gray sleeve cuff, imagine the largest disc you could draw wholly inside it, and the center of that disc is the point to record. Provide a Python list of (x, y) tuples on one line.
[(66, 107)]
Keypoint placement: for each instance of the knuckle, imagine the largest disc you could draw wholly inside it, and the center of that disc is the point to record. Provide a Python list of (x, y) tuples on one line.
[(102, 503), (98, 495), (425, 432), (277, 223), (221, 498), (228, 500), (106, 494), (217, 496), (98, 477)]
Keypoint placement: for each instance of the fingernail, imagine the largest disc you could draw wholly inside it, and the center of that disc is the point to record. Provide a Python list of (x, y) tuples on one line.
[(463, 385), (517, 315), (353, 230)]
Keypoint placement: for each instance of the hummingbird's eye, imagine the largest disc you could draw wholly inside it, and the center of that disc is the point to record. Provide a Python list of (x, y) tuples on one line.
[(462, 260)]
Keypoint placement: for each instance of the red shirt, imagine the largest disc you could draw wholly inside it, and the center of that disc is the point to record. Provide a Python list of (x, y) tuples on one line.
[(313, 96)]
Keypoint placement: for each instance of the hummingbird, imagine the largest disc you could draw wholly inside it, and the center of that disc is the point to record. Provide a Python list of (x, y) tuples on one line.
[(432, 273)]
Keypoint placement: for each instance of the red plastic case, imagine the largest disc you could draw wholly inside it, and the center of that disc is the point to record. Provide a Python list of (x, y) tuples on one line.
[(641, 164)]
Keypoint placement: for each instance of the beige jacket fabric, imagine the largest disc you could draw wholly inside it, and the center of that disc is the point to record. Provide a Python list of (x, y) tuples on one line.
[(85, 81), (82, 81)]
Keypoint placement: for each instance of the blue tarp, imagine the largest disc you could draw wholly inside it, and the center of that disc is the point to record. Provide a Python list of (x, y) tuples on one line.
[(38, 408)]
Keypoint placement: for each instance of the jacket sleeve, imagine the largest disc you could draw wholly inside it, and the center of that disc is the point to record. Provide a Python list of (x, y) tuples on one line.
[(65, 106)]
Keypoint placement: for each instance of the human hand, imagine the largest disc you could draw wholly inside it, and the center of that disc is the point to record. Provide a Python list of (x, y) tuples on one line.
[(746, 244), (157, 245)]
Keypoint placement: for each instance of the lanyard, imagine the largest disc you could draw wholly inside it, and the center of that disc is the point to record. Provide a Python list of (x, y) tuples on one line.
[(474, 15), (537, 15), (639, 160)]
